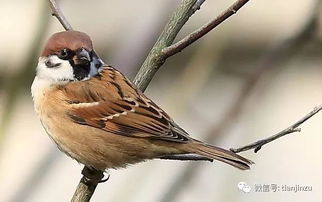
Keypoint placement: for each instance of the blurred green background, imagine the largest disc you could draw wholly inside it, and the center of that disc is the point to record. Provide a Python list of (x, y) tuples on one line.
[(253, 76)]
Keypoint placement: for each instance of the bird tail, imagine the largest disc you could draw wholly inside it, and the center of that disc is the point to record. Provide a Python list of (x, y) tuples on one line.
[(219, 154)]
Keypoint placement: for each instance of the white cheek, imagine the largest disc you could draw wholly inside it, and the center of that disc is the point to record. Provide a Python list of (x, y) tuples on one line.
[(63, 72)]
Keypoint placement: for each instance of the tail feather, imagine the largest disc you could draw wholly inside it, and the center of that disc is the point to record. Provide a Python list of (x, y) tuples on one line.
[(220, 154)]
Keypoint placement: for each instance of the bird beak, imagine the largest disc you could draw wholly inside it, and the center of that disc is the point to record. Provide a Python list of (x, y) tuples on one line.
[(82, 57)]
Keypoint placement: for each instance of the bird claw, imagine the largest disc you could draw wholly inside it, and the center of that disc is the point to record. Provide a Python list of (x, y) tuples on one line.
[(106, 178), (94, 176)]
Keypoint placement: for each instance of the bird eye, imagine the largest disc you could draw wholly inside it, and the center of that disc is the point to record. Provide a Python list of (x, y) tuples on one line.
[(64, 54)]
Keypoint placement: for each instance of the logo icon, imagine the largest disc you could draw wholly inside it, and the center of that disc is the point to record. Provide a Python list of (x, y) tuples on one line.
[(244, 187)]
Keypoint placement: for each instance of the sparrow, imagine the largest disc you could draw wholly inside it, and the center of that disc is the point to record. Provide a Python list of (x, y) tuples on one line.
[(98, 117)]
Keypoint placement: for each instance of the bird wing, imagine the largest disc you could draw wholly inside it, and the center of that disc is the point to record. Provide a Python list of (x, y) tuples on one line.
[(109, 101)]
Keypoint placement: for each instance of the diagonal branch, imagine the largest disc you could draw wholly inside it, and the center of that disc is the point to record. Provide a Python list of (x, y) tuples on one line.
[(202, 31), (198, 5), (55, 11), (292, 129), (155, 58), (164, 48)]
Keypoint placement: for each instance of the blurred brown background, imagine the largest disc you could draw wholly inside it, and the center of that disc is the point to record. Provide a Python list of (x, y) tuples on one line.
[(263, 66)]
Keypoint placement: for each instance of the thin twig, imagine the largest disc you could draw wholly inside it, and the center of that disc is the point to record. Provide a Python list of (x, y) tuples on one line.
[(88, 184), (55, 11), (155, 58), (198, 5), (292, 129), (188, 40), (86, 187)]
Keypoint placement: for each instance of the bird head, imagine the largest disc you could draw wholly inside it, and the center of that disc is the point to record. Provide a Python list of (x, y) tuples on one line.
[(68, 56)]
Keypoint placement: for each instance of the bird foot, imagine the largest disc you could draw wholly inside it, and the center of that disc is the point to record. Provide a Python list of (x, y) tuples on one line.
[(92, 175)]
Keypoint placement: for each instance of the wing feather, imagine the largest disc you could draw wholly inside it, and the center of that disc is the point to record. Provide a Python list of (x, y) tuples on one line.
[(110, 102)]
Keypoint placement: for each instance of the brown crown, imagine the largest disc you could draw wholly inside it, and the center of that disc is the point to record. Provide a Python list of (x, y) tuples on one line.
[(73, 40)]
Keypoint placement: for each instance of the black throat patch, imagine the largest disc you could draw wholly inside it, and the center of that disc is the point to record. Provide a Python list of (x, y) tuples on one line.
[(80, 71)]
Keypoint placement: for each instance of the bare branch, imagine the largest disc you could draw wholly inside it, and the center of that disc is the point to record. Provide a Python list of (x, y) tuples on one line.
[(155, 58), (293, 128), (88, 184), (55, 11), (188, 40), (198, 5)]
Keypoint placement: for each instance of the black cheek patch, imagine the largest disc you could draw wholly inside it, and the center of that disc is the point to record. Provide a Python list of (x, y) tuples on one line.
[(80, 71), (96, 59)]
